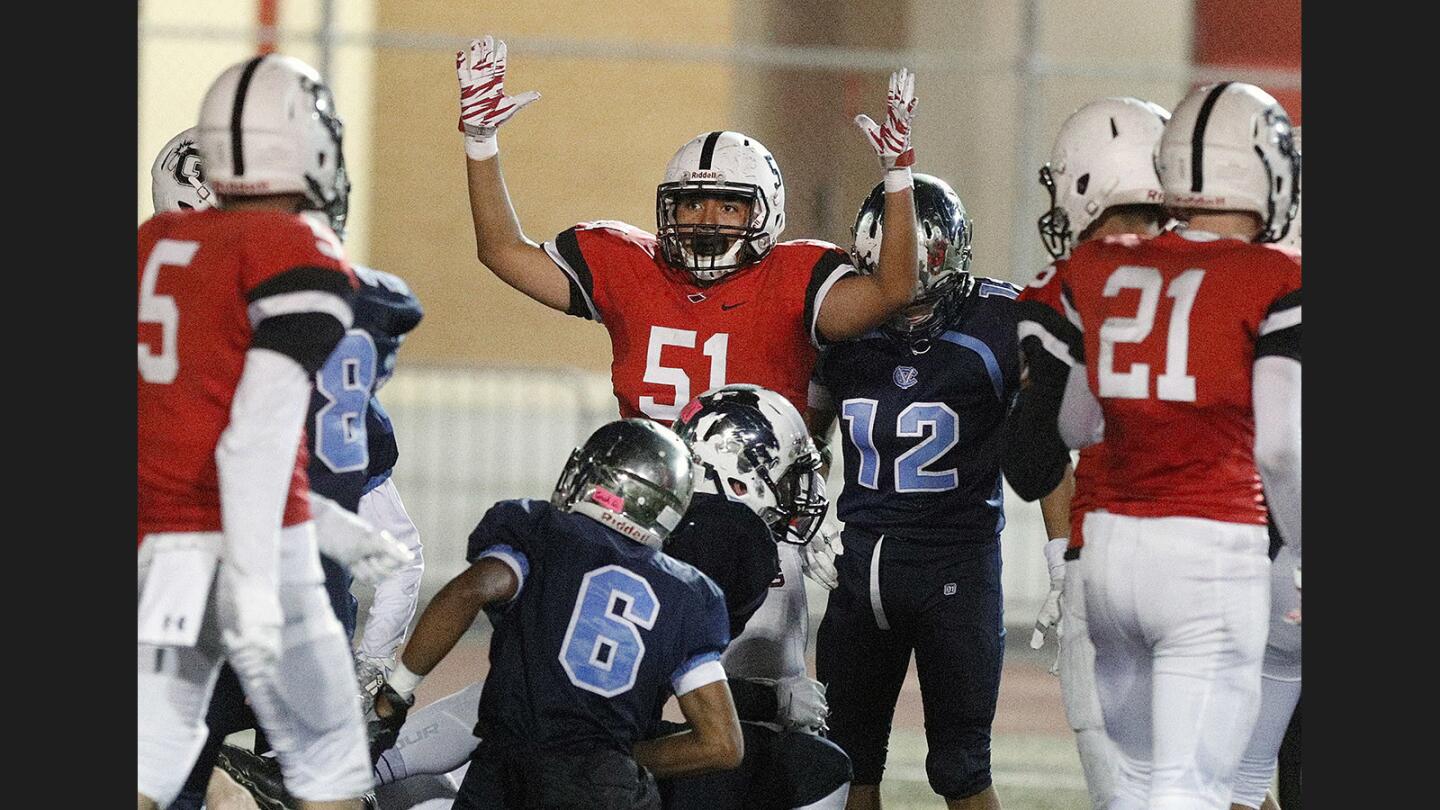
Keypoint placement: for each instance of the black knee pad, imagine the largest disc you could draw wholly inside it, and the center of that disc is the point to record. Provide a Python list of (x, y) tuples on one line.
[(959, 771)]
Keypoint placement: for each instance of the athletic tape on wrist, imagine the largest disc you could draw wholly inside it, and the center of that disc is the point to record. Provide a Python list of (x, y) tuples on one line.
[(481, 148), (403, 681), (898, 179)]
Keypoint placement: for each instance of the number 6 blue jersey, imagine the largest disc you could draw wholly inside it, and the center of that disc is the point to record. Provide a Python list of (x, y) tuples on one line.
[(352, 446), (601, 632), (922, 432)]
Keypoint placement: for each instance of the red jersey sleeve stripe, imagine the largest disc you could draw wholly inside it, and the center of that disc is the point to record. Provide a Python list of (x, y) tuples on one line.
[(565, 252)]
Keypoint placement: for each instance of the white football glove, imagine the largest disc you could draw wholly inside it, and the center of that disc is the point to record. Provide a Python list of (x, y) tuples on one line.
[(1293, 617), (1050, 610), (483, 103), (371, 554), (250, 623), (818, 561), (891, 142), (802, 704)]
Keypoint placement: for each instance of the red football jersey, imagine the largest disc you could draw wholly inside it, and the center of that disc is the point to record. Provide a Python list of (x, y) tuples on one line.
[(202, 277), (1042, 314), (673, 339), (1172, 328)]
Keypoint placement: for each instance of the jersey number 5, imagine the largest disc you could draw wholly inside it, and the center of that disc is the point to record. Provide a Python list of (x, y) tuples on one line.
[(162, 367), (715, 348), (602, 649), (1174, 385)]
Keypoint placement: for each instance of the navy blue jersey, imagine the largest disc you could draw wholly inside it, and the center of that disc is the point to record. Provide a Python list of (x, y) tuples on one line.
[(342, 447), (730, 544), (922, 432), (601, 632)]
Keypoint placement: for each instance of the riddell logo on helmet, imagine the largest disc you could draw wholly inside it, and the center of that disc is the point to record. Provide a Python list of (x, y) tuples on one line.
[(1152, 194), (241, 187), (704, 176), (1196, 199), (624, 526)]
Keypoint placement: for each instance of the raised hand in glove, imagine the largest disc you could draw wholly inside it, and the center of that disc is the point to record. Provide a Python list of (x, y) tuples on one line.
[(891, 141), (1050, 610), (484, 106), (390, 712), (818, 562), (801, 702)]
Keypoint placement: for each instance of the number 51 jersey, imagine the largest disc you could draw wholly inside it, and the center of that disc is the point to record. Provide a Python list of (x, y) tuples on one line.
[(600, 633), (673, 339), (1172, 328)]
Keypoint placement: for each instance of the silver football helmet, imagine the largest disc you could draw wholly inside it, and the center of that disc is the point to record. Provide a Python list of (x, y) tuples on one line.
[(725, 164), (1229, 147), (177, 180), (268, 126), (943, 232), (1104, 156), (631, 475), (752, 446)]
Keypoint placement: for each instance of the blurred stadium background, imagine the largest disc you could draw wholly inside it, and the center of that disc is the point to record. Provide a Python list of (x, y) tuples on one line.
[(493, 389)]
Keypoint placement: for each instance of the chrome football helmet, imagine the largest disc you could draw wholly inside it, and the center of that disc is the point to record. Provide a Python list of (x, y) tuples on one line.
[(1230, 147), (943, 232), (730, 165), (1104, 156), (752, 446), (268, 126), (177, 180), (631, 475)]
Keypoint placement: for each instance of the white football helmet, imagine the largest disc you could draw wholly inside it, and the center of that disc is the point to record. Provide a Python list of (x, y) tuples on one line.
[(1104, 156), (1229, 147), (177, 182), (720, 164), (1292, 239), (751, 445), (268, 126)]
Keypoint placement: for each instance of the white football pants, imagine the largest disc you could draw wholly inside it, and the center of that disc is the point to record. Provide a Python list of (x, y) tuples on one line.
[(1077, 690)]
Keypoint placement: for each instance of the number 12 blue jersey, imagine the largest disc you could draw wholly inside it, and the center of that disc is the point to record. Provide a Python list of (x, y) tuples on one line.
[(921, 432)]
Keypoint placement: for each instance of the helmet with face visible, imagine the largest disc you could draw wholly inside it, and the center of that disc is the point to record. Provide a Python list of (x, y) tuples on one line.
[(177, 180), (631, 475), (752, 446), (724, 164), (268, 126), (1292, 239), (1229, 147), (943, 231), (1104, 156)]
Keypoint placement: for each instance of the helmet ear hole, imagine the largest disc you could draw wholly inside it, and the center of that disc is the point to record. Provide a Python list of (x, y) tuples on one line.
[(739, 488)]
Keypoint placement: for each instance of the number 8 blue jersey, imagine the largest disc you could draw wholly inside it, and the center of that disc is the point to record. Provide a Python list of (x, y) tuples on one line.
[(921, 432), (352, 445)]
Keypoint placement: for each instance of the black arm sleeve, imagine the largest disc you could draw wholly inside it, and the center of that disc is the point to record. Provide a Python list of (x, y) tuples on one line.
[(1033, 457), (754, 701)]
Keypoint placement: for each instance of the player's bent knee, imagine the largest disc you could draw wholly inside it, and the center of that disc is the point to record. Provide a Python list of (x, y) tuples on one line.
[(814, 767), (956, 773)]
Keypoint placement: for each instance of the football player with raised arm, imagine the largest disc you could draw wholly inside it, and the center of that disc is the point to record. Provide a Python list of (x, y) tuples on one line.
[(1191, 376), (713, 296), (237, 307), (1102, 182), (594, 629), (923, 399), (352, 451)]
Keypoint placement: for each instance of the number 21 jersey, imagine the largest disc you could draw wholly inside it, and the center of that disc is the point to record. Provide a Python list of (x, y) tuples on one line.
[(1172, 328)]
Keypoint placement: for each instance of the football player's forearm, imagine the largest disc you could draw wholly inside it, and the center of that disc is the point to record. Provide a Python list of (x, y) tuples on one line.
[(453, 611), (502, 246), (714, 741), (895, 272), (1276, 398), (1055, 507)]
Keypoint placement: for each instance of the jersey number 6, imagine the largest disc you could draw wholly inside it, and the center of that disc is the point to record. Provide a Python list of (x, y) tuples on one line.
[(602, 649)]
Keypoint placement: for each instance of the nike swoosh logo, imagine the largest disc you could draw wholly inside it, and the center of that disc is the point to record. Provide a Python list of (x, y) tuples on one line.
[(728, 307)]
